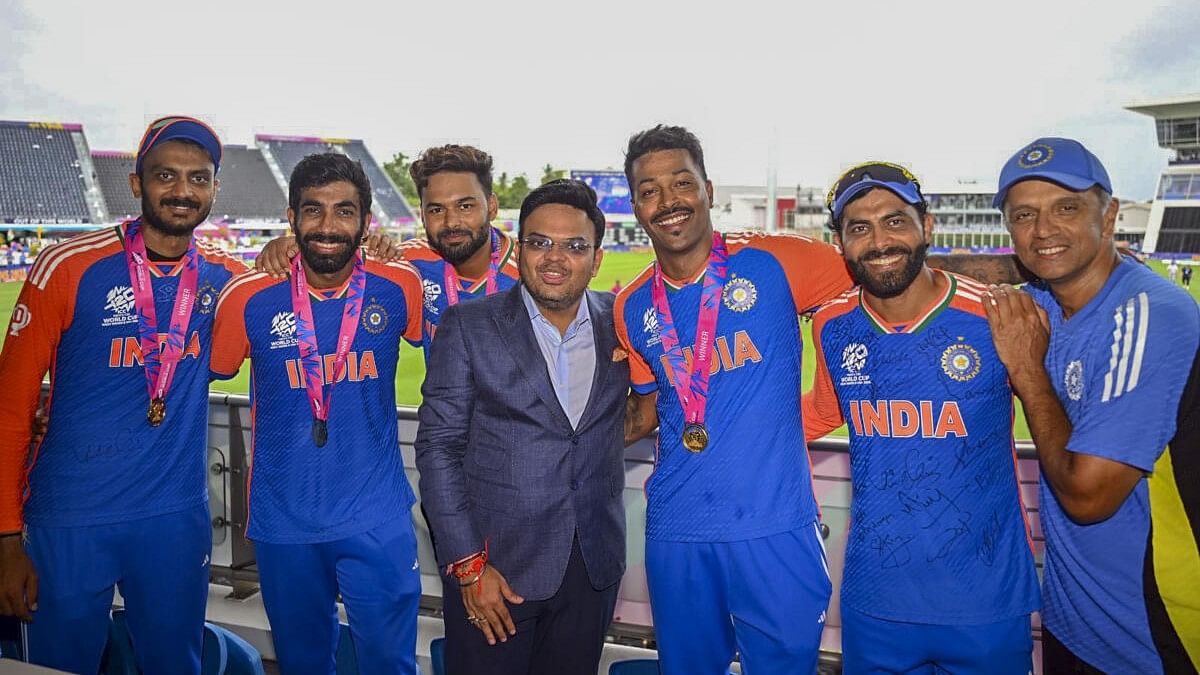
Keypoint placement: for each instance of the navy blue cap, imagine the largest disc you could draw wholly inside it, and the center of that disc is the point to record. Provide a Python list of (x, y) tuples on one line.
[(177, 128), (854, 182), (1059, 160)]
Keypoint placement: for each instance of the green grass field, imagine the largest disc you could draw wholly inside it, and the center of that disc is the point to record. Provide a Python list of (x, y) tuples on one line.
[(616, 266)]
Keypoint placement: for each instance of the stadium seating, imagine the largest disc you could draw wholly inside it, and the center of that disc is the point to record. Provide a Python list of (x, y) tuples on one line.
[(112, 173), (437, 654), (248, 190), (634, 667), (223, 652), (287, 152), (41, 178)]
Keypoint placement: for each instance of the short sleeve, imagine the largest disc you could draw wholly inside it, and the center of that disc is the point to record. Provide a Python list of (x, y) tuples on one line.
[(815, 271), (641, 377), (1133, 380), (820, 408), (230, 344)]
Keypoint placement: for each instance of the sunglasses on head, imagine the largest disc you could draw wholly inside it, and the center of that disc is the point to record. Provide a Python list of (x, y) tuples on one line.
[(881, 171)]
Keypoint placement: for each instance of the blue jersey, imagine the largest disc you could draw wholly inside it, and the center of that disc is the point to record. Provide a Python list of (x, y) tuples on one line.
[(938, 533), (1119, 366), (300, 493), (754, 478), (100, 461), (432, 268)]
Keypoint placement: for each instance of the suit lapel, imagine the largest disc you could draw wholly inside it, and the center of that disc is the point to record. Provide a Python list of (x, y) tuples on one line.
[(514, 324), (606, 342)]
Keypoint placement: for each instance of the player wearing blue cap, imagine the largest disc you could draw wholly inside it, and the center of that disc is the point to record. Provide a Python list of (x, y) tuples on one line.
[(939, 571), (1103, 354), (115, 493)]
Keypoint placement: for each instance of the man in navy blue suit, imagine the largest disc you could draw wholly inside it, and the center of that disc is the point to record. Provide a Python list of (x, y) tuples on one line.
[(520, 450)]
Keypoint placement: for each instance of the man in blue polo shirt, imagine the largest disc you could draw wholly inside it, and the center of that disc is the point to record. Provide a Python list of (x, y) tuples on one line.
[(1102, 354)]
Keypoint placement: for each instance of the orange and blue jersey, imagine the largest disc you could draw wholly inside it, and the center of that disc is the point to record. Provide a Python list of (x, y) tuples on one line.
[(938, 533), (754, 477), (301, 493), (100, 461), (432, 268)]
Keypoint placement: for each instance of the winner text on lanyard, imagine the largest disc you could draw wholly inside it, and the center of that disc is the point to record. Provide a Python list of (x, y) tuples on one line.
[(160, 362), (320, 394), (691, 385), (450, 276)]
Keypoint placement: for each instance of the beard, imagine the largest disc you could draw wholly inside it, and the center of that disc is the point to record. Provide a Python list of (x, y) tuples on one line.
[(888, 284), (322, 263), (459, 253), (152, 219)]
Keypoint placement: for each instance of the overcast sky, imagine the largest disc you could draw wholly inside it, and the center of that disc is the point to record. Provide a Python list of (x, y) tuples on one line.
[(951, 88)]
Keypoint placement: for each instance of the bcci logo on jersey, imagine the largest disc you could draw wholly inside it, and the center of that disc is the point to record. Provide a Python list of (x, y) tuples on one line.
[(650, 327), (854, 359), (960, 362), (1073, 380), (374, 318), (283, 327), (206, 299), (120, 303), (431, 291), (739, 294)]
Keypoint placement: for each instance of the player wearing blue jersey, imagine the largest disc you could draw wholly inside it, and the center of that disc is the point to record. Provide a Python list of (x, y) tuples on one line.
[(329, 501), (462, 256), (939, 571), (114, 494), (1103, 355), (734, 557)]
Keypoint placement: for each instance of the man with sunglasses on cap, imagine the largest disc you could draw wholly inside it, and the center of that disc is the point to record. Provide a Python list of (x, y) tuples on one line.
[(114, 494), (1103, 354), (939, 570)]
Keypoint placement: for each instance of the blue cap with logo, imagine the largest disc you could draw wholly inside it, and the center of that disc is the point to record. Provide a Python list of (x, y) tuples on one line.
[(1059, 160), (869, 176), (179, 128)]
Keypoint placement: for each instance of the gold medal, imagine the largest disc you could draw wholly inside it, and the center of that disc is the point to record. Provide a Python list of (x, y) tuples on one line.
[(157, 411), (695, 437)]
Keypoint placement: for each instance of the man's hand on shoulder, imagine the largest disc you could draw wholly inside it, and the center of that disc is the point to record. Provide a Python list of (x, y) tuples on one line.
[(276, 257), (382, 247)]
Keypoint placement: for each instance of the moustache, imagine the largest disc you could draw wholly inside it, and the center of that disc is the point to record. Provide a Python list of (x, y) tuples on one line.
[(328, 238), (444, 234), (661, 215), (894, 250), (185, 203), (556, 269)]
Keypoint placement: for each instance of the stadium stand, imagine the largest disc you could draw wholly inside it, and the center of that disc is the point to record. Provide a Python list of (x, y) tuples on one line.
[(248, 190), (112, 172), (287, 151), (41, 175)]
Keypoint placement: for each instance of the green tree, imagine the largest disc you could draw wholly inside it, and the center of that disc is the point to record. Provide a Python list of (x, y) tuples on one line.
[(510, 192), (550, 173), (397, 170)]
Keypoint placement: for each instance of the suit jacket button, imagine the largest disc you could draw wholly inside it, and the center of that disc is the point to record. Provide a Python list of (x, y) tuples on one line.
[(574, 440), (574, 484)]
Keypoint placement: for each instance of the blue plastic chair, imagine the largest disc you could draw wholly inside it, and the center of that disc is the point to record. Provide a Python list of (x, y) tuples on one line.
[(237, 657), (347, 661), (118, 656), (437, 654), (214, 654), (634, 667)]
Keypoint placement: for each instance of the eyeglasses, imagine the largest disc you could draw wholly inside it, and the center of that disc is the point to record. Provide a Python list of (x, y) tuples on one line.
[(885, 172), (575, 247)]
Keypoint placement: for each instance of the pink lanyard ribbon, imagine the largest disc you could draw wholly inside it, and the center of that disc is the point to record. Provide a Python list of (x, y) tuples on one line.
[(450, 276), (691, 384), (160, 362), (319, 394)]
